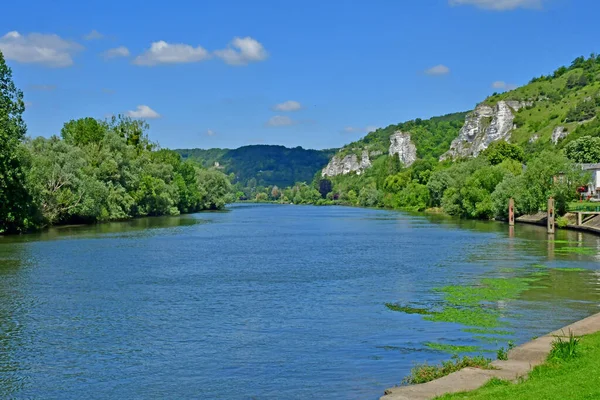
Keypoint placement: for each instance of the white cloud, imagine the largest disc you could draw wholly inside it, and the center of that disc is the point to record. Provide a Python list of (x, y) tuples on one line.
[(280, 120), (499, 5), (210, 132), (93, 35), (287, 106), (356, 129), (43, 88), (143, 112), (120, 51), (242, 51), (503, 85), (46, 49), (438, 70), (162, 52), (28, 104)]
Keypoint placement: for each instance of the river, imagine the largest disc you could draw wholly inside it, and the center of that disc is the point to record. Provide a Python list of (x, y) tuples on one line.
[(263, 301)]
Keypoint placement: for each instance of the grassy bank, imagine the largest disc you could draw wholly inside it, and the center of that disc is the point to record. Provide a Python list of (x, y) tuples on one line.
[(559, 378)]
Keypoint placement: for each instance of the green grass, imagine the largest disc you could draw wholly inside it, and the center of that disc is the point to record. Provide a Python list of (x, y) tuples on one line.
[(577, 378), (452, 349), (425, 372)]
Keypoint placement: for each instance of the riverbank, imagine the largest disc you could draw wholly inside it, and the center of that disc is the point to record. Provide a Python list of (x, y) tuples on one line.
[(590, 225), (521, 361)]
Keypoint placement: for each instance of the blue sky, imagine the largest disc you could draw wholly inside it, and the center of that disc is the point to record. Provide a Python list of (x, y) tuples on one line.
[(315, 73)]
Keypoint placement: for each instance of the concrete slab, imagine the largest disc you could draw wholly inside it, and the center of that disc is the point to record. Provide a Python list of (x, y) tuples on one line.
[(521, 361)]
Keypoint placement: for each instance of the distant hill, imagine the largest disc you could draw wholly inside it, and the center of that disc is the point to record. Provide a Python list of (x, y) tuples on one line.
[(267, 165)]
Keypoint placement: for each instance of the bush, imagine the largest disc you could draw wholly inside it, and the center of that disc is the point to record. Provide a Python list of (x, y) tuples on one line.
[(563, 349), (426, 373)]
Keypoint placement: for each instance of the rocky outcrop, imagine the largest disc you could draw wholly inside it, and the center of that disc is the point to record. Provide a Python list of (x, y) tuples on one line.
[(350, 163), (560, 132), (402, 145), (486, 124)]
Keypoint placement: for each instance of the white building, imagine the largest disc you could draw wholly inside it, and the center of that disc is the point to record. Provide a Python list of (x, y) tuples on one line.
[(594, 185)]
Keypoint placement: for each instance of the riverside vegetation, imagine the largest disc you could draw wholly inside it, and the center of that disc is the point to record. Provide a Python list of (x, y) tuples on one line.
[(95, 171), (476, 187)]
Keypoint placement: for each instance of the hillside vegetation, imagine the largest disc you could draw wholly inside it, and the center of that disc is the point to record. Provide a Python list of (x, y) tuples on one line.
[(565, 103), (432, 137), (263, 165)]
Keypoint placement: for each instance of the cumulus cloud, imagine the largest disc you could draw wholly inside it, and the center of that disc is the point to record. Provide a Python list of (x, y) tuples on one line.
[(280, 120), (287, 106), (242, 51), (438, 70), (162, 52), (120, 51), (356, 129), (210, 132), (498, 5), (37, 48), (93, 35), (503, 85), (144, 112)]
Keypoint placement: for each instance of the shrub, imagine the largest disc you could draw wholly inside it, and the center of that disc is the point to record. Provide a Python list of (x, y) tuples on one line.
[(563, 349), (425, 373)]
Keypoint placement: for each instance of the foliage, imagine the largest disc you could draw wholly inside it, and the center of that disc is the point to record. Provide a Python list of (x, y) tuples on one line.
[(502, 353), (499, 151), (425, 373), (564, 350), (584, 150), (98, 171), (261, 166), (573, 379)]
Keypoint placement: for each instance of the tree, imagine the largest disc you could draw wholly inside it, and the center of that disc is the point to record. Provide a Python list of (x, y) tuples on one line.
[(83, 131), (132, 130), (325, 187), (584, 150), (501, 150), (15, 201)]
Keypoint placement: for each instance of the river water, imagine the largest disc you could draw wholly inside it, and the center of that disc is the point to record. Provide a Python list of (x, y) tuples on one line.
[(262, 301)]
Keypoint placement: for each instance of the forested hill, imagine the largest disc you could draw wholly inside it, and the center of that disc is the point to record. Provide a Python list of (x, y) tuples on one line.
[(264, 165)]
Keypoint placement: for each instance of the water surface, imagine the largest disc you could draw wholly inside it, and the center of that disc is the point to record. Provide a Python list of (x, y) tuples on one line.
[(262, 301)]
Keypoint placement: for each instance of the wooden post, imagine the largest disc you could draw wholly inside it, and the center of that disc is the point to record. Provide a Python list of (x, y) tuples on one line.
[(511, 212), (551, 215), (579, 218)]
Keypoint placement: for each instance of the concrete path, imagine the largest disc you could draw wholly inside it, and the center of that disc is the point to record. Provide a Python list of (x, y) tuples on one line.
[(520, 361)]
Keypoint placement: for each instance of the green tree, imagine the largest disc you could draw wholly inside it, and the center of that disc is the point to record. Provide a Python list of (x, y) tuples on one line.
[(15, 201), (501, 150), (584, 150), (83, 131)]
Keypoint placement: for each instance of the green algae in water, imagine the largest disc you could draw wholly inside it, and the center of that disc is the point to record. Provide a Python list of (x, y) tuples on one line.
[(570, 269), (586, 251), (490, 339), (491, 289), (407, 309), (484, 331), (540, 266), (473, 316), (452, 349), (507, 270)]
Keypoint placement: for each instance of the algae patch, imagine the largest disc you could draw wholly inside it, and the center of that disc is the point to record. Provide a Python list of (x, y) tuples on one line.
[(452, 349), (407, 309)]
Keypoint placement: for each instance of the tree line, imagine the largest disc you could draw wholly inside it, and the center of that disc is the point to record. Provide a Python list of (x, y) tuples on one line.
[(93, 171)]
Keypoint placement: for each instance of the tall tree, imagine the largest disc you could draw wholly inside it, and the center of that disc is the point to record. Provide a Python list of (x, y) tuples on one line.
[(14, 198)]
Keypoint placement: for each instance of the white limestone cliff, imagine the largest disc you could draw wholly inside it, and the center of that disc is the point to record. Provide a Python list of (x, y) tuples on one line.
[(402, 145), (486, 124)]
